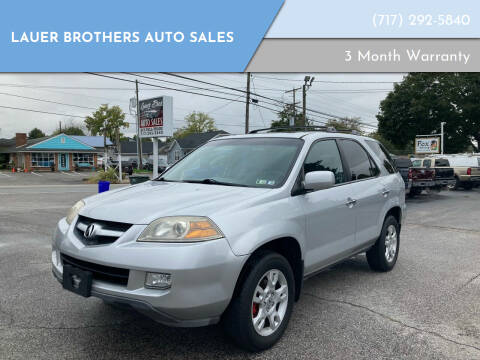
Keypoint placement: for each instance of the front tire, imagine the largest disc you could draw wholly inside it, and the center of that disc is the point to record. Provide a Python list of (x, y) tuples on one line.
[(383, 255), (262, 304)]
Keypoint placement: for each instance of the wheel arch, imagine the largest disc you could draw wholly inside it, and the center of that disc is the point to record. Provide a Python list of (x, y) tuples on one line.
[(288, 247)]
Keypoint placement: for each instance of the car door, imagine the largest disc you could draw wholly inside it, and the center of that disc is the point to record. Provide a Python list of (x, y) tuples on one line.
[(329, 217), (368, 190)]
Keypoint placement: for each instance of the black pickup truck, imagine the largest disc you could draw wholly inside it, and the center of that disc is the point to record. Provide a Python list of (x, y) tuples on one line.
[(416, 178)]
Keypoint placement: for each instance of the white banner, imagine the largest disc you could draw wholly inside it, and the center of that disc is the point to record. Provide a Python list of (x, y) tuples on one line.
[(427, 145)]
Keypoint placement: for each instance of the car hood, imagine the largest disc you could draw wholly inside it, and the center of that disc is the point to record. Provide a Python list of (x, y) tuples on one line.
[(143, 203)]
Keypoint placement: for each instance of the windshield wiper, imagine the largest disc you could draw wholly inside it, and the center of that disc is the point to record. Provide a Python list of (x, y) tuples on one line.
[(213, 182)]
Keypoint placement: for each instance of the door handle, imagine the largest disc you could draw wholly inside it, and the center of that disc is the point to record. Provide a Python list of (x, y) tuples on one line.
[(385, 192), (350, 202)]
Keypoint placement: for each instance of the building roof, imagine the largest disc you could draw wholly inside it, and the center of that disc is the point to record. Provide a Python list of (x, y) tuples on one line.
[(51, 143), (193, 141), (94, 141)]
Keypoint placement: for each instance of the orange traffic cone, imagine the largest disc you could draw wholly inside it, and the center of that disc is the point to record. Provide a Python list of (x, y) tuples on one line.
[(13, 169), (25, 170)]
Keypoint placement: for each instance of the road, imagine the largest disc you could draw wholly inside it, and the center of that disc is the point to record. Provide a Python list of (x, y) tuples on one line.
[(426, 308)]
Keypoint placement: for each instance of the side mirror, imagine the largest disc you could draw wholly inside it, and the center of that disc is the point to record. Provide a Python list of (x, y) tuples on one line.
[(318, 180)]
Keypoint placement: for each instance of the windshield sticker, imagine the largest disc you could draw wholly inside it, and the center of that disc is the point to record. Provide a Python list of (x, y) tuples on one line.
[(261, 182), (271, 182)]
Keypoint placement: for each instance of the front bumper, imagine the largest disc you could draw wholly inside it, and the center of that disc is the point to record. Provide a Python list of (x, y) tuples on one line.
[(203, 274)]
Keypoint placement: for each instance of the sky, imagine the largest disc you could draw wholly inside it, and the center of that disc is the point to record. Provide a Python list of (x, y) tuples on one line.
[(73, 96)]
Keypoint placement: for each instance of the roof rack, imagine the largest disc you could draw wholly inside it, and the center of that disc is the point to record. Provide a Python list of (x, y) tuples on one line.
[(304, 128)]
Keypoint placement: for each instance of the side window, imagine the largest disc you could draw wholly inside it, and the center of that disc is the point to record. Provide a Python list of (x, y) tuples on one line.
[(357, 159), (324, 156), (383, 155), (427, 163)]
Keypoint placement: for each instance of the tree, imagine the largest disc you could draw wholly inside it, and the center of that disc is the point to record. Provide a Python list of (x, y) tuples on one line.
[(346, 124), (422, 101), (197, 122), (106, 121), (285, 115), (36, 133)]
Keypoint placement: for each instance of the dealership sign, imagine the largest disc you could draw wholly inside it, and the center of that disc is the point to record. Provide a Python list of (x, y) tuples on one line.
[(427, 145), (156, 117)]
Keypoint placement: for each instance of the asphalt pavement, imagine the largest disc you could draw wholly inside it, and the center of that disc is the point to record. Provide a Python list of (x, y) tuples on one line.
[(426, 308)]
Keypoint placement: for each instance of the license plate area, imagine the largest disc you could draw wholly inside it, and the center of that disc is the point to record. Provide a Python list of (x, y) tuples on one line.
[(77, 280)]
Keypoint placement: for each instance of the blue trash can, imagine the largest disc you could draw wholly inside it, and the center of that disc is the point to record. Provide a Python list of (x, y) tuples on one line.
[(103, 186)]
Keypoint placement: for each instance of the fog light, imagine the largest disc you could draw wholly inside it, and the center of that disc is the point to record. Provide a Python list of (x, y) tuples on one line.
[(158, 280)]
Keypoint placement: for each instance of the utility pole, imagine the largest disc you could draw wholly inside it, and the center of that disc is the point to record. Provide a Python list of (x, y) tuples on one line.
[(247, 105), (60, 126), (442, 135), (119, 152), (293, 91), (139, 142), (308, 83)]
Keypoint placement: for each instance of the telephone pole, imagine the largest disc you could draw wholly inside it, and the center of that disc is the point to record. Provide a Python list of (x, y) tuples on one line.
[(308, 83), (293, 91), (247, 106), (441, 130), (139, 142)]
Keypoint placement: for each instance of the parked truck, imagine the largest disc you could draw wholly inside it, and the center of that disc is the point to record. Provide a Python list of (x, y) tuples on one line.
[(466, 171), (416, 179), (444, 175)]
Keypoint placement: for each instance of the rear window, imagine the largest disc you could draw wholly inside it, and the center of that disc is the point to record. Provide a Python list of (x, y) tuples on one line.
[(442, 162), (417, 163)]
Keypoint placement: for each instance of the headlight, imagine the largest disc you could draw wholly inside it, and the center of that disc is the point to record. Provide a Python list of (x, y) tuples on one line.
[(181, 229), (74, 210)]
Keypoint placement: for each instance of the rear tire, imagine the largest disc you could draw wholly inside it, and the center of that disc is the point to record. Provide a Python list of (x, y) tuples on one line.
[(415, 191), (256, 300), (384, 254)]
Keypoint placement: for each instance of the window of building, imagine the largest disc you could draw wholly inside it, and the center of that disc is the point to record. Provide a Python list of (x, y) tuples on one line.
[(43, 159), (358, 160), (83, 159), (324, 156)]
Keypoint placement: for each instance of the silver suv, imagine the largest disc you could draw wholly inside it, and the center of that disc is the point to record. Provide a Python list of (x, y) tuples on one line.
[(230, 232)]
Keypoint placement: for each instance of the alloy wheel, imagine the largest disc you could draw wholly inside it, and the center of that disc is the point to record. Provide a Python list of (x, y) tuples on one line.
[(270, 302)]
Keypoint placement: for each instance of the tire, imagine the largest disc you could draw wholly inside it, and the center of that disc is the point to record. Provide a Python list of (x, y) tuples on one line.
[(378, 258), (467, 186), (456, 185), (238, 318), (415, 191)]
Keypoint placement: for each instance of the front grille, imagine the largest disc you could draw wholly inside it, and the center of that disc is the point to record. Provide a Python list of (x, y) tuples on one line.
[(106, 232), (100, 272)]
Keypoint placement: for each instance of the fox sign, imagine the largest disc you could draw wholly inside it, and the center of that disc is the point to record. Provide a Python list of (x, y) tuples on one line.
[(156, 117), (427, 145)]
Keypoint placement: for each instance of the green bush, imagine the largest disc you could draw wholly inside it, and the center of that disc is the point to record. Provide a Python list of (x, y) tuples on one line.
[(110, 175)]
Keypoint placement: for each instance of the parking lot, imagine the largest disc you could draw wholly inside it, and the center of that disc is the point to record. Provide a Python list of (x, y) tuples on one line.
[(426, 308)]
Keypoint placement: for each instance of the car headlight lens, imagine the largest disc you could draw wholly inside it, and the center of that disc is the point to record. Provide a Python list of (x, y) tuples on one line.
[(74, 210), (181, 229)]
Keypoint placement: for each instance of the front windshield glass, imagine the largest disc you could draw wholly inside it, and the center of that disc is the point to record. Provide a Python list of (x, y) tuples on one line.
[(252, 162)]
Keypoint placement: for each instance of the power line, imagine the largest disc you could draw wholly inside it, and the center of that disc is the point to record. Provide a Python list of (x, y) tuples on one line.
[(330, 82), (48, 101), (42, 112), (179, 90)]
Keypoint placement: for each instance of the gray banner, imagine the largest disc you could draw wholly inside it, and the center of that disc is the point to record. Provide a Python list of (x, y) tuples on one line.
[(366, 55)]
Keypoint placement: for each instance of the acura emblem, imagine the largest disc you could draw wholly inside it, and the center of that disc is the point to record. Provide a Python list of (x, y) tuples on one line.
[(90, 231)]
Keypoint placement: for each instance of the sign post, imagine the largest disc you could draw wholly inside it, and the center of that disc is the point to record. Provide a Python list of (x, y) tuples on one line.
[(427, 144), (156, 120)]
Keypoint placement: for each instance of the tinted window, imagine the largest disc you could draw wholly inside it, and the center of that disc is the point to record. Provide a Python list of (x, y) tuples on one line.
[(357, 159), (417, 163), (383, 155), (403, 162), (442, 162), (324, 156), (427, 163)]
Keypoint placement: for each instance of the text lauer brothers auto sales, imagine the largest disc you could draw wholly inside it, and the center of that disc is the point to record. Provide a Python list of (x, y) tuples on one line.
[(122, 37)]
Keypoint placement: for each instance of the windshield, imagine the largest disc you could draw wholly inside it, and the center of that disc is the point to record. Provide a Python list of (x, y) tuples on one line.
[(252, 162)]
